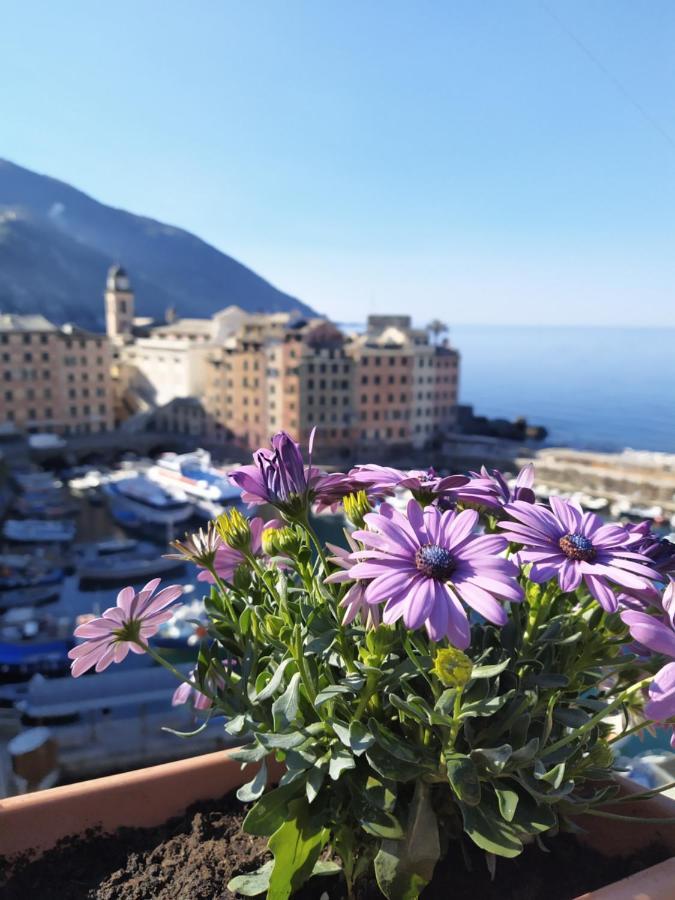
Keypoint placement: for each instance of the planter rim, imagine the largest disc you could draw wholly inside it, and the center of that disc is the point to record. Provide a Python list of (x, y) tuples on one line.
[(148, 797)]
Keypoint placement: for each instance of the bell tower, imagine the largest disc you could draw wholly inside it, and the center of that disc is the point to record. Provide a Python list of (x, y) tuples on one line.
[(119, 304)]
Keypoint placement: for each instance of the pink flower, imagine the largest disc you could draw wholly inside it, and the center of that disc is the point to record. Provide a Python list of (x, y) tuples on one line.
[(354, 601), (228, 560), (110, 637), (185, 692)]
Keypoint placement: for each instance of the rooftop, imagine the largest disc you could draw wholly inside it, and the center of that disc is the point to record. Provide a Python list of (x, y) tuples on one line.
[(14, 322)]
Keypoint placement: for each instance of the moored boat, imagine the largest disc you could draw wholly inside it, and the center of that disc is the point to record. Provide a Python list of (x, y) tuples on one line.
[(146, 500), (194, 474), (36, 531), (121, 569), (32, 596), (113, 721)]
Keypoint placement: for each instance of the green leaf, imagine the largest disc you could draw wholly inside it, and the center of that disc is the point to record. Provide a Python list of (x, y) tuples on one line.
[(254, 883), (525, 754), (315, 779), (494, 759), (404, 867), (254, 789), (486, 707), (532, 817), (381, 794), (250, 753), (296, 846), (508, 801), (392, 743), (390, 767), (419, 715), (281, 741), (490, 671), (342, 732), (360, 739), (286, 707), (235, 725), (381, 824), (340, 762), (331, 692), (489, 831), (326, 867), (554, 776), (463, 778), (274, 683), (271, 810)]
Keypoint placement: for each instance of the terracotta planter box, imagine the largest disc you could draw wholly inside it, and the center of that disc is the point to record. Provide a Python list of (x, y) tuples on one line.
[(148, 797)]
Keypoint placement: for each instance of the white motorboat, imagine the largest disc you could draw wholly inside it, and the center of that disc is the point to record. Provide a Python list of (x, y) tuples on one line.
[(194, 474), (147, 500), (37, 531), (115, 720)]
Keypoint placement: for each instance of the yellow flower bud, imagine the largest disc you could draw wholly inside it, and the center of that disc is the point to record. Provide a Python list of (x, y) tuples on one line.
[(452, 667), (234, 529), (356, 507)]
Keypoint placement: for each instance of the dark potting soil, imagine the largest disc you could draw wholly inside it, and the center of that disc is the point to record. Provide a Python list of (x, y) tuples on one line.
[(194, 856)]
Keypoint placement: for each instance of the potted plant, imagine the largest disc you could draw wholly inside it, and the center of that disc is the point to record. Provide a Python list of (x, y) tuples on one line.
[(436, 687)]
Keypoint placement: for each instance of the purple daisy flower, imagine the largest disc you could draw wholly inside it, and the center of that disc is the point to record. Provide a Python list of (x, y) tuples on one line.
[(354, 601), (426, 486), (227, 559), (658, 635), (571, 545), (110, 637), (424, 565), (522, 488), (279, 476), (661, 554), (185, 692)]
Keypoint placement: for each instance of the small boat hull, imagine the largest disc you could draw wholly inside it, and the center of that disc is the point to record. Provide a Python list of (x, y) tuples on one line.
[(127, 571)]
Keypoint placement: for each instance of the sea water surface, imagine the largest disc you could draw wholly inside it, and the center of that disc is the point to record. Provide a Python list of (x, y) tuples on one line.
[(593, 388)]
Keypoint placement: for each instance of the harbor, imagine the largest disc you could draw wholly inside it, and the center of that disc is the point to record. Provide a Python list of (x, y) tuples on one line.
[(91, 531)]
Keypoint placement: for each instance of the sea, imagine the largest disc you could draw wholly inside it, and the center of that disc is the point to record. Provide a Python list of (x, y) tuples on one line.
[(592, 388)]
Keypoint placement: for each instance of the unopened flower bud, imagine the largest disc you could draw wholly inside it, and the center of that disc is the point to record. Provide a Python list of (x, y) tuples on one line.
[(452, 667), (380, 640), (280, 541), (356, 507), (235, 530)]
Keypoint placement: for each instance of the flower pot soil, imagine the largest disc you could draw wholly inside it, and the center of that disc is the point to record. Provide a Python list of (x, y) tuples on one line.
[(192, 857)]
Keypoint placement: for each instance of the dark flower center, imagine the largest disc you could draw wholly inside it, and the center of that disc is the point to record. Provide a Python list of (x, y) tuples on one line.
[(577, 546), (435, 562)]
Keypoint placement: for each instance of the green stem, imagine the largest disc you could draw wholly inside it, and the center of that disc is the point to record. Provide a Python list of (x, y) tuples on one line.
[(299, 657), (594, 720), (645, 819), (174, 671), (224, 593), (642, 795), (317, 543), (257, 568), (456, 711), (639, 727), (369, 688)]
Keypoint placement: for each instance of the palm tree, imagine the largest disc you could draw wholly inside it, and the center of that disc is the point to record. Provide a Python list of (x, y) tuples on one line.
[(437, 328)]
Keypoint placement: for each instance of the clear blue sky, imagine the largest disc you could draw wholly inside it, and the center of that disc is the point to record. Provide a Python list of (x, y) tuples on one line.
[(459, 158)]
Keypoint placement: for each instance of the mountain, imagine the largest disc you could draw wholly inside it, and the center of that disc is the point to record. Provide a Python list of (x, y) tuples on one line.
[(57, 243)]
